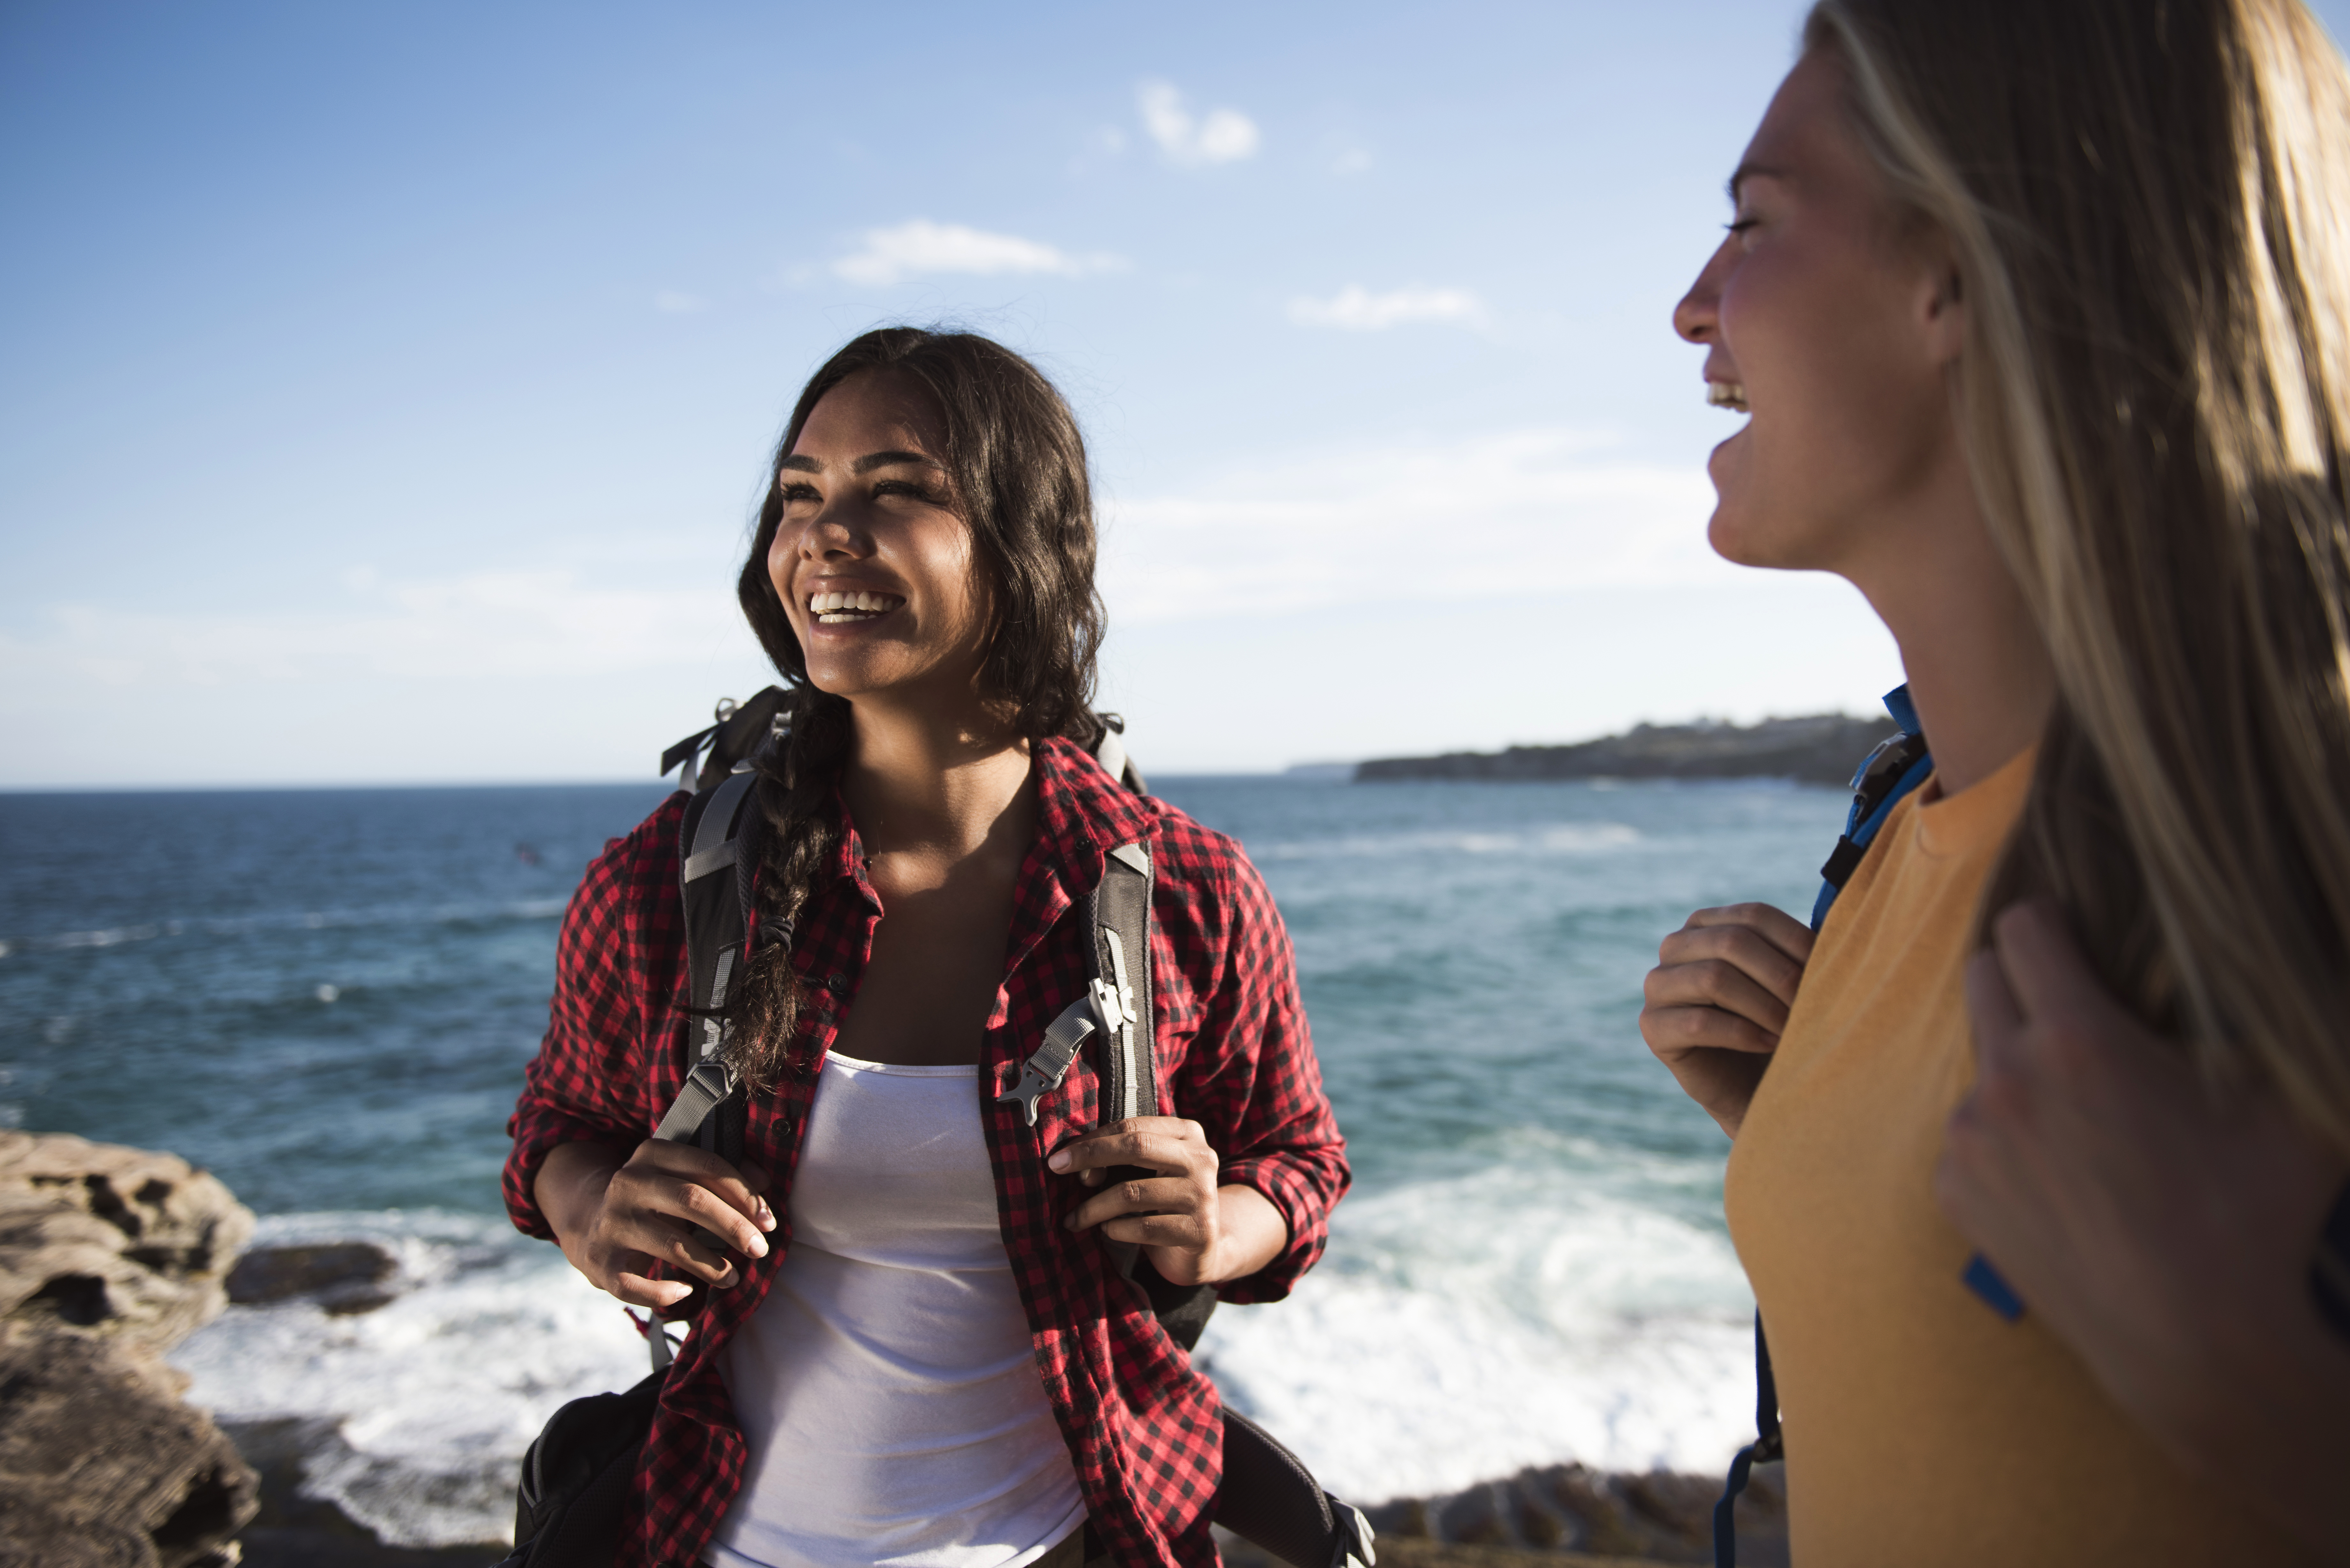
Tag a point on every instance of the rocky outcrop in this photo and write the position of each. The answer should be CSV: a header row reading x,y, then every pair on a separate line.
x,y
110,1242
109,1257
1823,749
345,1277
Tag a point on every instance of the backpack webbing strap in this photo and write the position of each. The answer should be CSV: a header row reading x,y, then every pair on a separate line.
x,y
1898,764
1117,1002
709,1110
1064,1038
1768,1445
1121,963
1120,959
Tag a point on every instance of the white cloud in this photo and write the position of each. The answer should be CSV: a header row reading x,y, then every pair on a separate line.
x,y
478,625
677,302
919,246
1356,309
483,675
1524,513
1222,136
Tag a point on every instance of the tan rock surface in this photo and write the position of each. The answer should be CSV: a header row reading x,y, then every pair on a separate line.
x,y
100,1239
109,1257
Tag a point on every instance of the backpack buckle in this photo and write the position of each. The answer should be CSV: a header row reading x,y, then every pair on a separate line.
x,y
1045,1069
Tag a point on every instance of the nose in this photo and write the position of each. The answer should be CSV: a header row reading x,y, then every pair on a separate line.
x,y
835,533
1698,317
832,534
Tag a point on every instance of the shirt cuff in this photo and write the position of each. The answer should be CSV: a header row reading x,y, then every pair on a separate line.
x,y
536,1130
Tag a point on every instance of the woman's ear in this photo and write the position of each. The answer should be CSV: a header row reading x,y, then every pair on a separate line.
x,y
1942,307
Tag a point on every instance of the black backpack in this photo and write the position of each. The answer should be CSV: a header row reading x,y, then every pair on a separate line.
x,y
575,1477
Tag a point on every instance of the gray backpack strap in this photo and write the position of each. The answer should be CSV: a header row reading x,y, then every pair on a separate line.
x,y
715,907
1128,1056
1116,1006
713,881
1122,970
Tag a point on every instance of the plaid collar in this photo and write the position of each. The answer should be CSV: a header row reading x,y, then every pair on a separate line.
x,y
1082,814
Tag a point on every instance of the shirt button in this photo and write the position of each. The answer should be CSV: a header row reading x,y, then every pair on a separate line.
x,y
836,984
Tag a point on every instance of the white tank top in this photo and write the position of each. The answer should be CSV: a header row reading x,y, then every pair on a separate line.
x,y
887,1384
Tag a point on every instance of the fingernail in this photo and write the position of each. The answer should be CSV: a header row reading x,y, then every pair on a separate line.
x,y
766,1216
1060,1160
759,1246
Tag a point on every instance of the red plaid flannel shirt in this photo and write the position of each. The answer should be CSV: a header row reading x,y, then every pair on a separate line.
x,y
1234,1055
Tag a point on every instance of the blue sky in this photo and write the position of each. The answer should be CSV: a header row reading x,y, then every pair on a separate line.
x,y
388,387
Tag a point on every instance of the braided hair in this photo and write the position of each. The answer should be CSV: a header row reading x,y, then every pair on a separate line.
x,y
1018,467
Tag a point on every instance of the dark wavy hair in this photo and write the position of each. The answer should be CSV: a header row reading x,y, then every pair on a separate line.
x,y
1016,464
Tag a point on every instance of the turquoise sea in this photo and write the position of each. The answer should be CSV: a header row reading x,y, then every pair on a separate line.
x,y
327,997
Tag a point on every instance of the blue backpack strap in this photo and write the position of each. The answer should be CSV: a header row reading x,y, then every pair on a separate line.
x,y
1898,766
1767,1446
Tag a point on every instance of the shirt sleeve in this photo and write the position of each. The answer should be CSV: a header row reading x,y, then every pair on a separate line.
x,y
1251,1079
591,1081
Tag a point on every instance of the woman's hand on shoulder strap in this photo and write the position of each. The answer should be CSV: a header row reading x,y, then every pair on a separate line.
x,y
1195,1231
1718,999
614,1217
2162,1229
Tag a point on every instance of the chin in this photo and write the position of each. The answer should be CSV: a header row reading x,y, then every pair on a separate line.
x,y
1744,539
1732,541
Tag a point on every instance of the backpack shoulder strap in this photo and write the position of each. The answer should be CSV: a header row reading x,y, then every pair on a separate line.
x,y
1900,763
710,842
715,865
741,730
1120,961
713,877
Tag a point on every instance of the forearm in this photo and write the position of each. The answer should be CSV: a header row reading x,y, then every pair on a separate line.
x,y
1253,1234
570,1187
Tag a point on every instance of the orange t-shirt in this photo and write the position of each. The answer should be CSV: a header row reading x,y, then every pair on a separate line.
x,y
1921,1429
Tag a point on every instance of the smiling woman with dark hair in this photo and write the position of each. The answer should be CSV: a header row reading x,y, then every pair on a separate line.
x,y
934,1359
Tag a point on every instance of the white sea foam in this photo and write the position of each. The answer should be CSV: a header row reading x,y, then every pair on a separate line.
x,y
1563,838
1459,1329
432,1399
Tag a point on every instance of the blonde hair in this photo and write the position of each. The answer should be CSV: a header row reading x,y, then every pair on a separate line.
x,y
2148,202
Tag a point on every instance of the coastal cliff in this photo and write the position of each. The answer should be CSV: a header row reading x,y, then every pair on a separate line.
x,y
1822,749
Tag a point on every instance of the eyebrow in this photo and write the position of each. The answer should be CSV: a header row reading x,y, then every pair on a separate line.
x,y
1746,171
799,464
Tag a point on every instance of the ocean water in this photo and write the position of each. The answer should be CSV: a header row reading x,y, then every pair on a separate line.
x,y
327,997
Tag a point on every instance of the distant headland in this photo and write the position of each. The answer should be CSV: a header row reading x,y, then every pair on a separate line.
x,y
1820,748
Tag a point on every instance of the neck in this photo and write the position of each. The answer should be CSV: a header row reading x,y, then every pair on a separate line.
x,y
1978,669
926,782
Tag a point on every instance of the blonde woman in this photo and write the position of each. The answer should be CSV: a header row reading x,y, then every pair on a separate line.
x,y
2040,313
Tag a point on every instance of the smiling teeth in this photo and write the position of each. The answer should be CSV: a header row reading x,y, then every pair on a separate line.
x,y
1727,395
835,610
